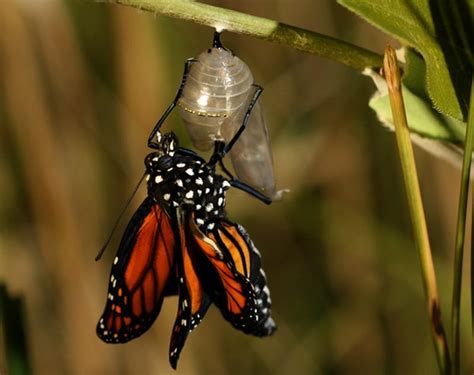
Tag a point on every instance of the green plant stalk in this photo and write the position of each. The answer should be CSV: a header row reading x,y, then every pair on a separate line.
x,y
263,28
407,158
460,235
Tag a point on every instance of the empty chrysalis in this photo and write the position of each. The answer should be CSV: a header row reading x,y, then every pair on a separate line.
x,y
219,102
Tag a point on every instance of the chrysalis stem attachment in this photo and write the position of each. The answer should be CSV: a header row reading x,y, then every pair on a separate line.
x,y
109,238
217,39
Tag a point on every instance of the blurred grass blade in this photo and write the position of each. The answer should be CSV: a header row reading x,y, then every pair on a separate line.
x,y
461,234
12,330
407,159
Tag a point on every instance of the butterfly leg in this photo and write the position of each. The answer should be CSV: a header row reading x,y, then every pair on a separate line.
x,y
216,158
187,67
225,170
188,152
250,190
253,101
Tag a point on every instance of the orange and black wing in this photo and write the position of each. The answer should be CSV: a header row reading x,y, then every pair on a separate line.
x,y
193,300
141,275
234,277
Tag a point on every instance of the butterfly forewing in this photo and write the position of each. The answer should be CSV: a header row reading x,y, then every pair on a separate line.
x,y
143,267
193,300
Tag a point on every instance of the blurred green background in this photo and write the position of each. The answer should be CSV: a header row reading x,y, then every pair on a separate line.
x,y
81,85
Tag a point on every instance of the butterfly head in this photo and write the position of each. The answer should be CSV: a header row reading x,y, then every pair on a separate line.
x,y
167,143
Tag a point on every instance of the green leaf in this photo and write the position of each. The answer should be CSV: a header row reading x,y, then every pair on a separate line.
x,y
441,31
414,76
422,120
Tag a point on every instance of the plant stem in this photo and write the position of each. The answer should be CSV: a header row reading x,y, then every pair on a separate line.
x,y
405,149
460,235
263,28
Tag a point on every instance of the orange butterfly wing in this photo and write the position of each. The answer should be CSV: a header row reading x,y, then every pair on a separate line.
x,y
141,271
239,285
193,300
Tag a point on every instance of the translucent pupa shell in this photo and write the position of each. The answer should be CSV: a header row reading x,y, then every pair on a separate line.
x,y
214,101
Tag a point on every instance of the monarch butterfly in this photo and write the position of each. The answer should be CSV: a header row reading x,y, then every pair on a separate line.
x,y
218,100
180,241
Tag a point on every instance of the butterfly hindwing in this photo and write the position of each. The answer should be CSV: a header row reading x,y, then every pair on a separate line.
x,y
255,318
140,275
239,287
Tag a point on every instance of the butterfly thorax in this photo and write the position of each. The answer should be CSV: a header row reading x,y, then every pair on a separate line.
x,y
184,181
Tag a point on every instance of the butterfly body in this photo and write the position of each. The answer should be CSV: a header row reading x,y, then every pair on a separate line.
x,y
188,183
180,241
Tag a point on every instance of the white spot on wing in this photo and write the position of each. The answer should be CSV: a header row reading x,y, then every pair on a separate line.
x,y
266,290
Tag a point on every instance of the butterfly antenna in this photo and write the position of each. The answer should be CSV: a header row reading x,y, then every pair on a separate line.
x,y
109,238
